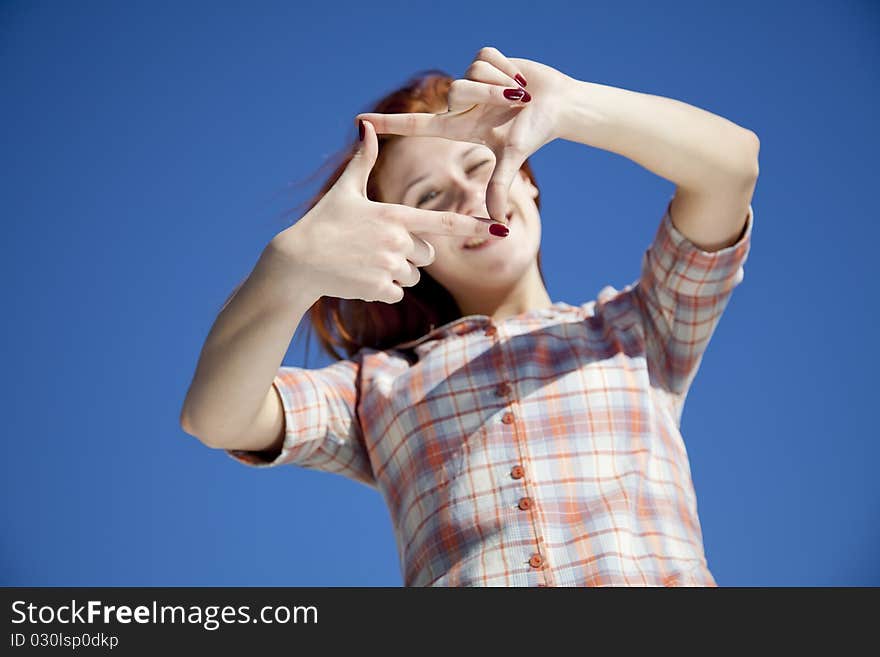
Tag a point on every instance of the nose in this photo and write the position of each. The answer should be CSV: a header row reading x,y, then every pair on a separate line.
x,y
471,197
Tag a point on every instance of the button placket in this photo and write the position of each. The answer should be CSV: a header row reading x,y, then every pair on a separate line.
x,y
517,472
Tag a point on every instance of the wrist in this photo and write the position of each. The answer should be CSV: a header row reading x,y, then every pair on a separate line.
x,y
286,273
580,112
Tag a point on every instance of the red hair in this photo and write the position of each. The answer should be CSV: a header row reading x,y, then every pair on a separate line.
x,y
351,324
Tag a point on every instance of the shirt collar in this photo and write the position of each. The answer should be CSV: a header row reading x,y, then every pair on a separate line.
x,y
467,323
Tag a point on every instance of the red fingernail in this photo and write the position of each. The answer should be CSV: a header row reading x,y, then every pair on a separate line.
x,y
361,129
526,97
520,80
499,230
513,94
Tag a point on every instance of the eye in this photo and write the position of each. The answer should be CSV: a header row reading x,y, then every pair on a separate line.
x,y
427,197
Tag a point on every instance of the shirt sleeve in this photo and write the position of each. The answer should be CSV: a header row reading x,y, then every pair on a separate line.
x,y
321,426
682,292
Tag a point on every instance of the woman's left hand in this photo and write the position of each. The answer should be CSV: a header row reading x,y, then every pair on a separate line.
x,y
479,112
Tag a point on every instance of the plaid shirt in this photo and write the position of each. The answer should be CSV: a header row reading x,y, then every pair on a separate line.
x,y
541,450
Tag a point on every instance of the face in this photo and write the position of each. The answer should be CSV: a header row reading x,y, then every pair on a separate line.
x,y
432,173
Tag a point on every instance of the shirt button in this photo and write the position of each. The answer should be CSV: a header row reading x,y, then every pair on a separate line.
x,y
536,561
491,330
502,389
525,503
507,418
517,472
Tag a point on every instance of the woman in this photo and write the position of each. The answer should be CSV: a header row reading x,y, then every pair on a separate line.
x,y
516,441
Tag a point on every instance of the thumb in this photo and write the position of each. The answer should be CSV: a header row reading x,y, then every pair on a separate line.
x,y
358,170
506,167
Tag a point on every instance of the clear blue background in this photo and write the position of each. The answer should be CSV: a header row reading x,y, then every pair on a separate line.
x,y
146,154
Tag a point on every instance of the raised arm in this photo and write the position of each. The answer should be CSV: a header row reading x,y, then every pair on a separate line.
x,y
231,401
712,161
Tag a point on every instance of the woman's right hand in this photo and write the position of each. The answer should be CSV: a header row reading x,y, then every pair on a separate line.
x,y
350,247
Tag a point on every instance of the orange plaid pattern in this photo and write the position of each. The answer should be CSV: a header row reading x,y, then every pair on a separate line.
x,y
542,450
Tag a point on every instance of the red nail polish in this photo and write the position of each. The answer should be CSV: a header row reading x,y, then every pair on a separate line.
x,y
499,230
513,94
520,80
526,97
361,129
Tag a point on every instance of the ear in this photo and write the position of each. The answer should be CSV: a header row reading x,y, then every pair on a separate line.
x,y
533,191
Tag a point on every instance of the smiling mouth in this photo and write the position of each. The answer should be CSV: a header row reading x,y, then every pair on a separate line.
x,y
473,245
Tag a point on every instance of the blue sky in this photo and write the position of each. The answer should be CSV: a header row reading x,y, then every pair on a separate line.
x,y
147,152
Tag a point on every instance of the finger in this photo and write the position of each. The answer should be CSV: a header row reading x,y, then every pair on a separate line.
x,y
499,61
422,253
433,222
358,170
506,167
412,124
391,293
483,71
466,93
407,275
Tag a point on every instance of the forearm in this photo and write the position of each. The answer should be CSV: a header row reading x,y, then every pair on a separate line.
x,y
243,352
679,142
